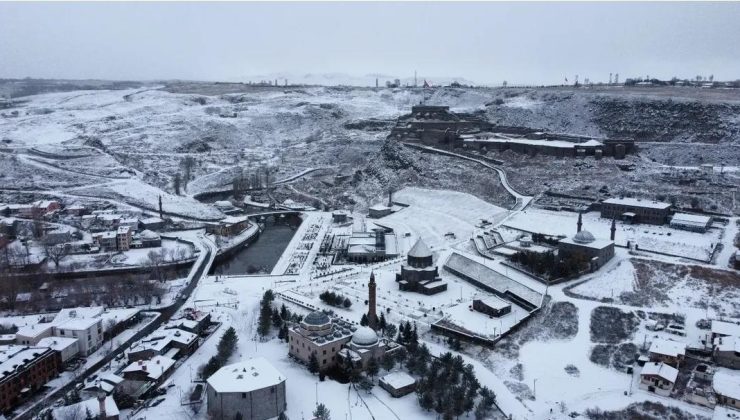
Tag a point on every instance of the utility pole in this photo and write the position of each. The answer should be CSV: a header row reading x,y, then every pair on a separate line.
x,y
414,78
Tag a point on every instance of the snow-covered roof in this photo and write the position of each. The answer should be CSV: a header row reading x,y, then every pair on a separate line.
x,y
316,318
13,358
495,302
234,219
32,331
57,343
246,376
420,249
80,409
661,370
584,242
154,367
668,348
592,143
725,328
380,207
148,234
636,202
726,382
398,380
690,219
162,337
365,336
728,343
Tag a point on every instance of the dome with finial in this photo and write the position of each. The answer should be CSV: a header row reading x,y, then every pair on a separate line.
x,y
583,237
316,318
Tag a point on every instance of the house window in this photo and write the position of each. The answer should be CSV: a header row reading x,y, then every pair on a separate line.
x,y
324,351
244,395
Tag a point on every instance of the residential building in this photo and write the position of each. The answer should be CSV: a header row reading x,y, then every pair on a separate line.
x,y
250,390
102,407
67,348
726,384
229,226
23,371
635,210
88,331
667,351
659,378
171,342
727,351
154,370
123,238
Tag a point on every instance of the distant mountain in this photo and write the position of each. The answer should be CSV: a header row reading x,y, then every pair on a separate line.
x,y
337,79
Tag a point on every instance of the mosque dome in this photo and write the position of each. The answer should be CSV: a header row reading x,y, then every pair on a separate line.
x,y
316,318
584,237
364,336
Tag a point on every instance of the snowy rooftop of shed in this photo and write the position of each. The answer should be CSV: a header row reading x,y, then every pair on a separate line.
x,y
668,348
398,380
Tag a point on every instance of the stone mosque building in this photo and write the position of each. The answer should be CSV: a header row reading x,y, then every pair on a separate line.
x,y
419,274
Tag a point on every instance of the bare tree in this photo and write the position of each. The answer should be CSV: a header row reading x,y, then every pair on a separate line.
x,y
55,252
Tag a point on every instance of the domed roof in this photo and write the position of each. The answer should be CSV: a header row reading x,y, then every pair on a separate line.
x,y
420,250
364,336
316,318
584,237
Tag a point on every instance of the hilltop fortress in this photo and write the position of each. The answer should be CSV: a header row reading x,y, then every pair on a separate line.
x,y
435,125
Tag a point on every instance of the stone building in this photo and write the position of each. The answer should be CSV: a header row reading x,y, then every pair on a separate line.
x,y
597,251
248,390
365,345
492,306
635,210
419,274
319,335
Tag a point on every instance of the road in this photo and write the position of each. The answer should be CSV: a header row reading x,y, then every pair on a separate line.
x,y
200,270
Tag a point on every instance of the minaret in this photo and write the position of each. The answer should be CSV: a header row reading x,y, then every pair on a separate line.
x,y
614,228
372,317
580,221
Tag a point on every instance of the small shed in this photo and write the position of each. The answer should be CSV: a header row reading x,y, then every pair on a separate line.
x,y
398,384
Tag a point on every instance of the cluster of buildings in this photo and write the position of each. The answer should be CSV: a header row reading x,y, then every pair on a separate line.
x,y
437,126
708,385
37,353
635,210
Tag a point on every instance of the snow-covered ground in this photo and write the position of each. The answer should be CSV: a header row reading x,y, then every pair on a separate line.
x,y
648,237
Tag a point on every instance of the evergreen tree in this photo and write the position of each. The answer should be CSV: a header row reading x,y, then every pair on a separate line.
x,y
283,333
347,303
227,344
426,400
363,321
382,323
373,367
88,414
264,322
284,313
277,321
388,361
313,363
401,355
390,331
365,384
321,412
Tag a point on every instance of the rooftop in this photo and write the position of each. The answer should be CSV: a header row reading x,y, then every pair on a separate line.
x,y
155,367
636,202
668,347
691,219
661,370
80,409
725,328
420,249
726,382
246,376
398,380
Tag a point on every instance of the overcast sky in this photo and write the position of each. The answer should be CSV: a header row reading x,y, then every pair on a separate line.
x,y
483,42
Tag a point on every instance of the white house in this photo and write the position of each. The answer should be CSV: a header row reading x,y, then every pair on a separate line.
x,y
667,351
658,378
726,384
